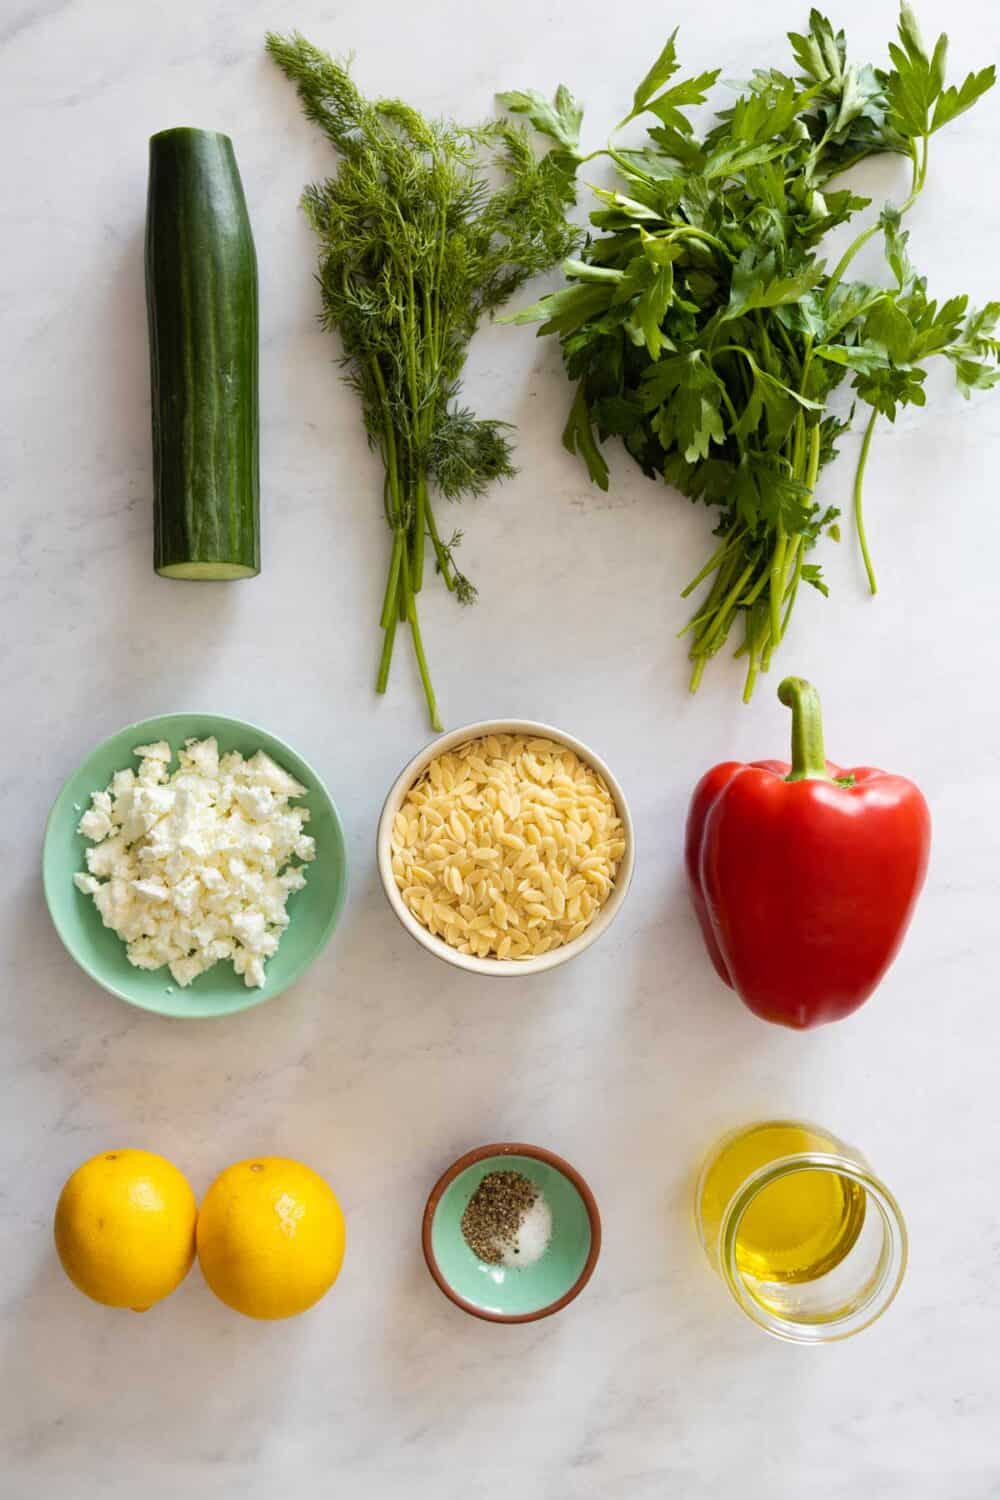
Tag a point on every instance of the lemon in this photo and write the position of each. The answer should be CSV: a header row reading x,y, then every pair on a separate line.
x,y
125,1228
270,1237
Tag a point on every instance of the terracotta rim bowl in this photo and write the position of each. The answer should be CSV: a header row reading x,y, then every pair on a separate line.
x,y
548,1159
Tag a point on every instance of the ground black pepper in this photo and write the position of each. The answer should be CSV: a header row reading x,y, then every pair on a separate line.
x,y
495,1213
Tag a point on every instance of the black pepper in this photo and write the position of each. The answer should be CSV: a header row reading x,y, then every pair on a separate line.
x,y
495,1213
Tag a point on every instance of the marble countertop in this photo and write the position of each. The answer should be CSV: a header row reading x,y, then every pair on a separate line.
x,y
382,1065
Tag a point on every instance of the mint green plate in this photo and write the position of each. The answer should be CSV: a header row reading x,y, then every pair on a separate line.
x,y
101,954
522,1294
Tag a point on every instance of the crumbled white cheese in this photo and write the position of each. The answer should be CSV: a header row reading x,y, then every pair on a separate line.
x,y
160,751
192,868
95,824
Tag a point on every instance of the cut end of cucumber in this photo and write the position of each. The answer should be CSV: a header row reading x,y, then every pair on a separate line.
x,y
216,572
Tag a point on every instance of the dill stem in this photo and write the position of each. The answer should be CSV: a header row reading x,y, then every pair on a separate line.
x,y
391,460
409,604
444,566
392,582
386,658
419,529
431,341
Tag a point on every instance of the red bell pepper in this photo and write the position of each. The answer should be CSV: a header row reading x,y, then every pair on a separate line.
x,y
804,876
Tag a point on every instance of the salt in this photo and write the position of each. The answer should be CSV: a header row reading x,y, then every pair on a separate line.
x,y
532,1238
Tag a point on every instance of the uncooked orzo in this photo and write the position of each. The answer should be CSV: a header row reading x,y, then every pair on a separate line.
x,y
507,846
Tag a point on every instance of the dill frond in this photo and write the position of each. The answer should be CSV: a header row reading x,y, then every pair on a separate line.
x,y
416,245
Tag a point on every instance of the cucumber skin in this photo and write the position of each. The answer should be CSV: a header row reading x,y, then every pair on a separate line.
x,y
201,298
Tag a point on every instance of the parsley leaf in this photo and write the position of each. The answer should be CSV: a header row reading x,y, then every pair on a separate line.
x,y
756,282
559,120
704,330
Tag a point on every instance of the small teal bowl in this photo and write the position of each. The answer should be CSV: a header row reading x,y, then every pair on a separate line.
x,y
101,954
525,1293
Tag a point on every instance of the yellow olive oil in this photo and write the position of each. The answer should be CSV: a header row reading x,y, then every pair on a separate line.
x,y
799,1226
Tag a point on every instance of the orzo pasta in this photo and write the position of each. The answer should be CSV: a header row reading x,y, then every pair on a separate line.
x,y
507,846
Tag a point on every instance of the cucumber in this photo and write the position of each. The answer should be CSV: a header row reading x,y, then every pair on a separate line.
x,y
201,296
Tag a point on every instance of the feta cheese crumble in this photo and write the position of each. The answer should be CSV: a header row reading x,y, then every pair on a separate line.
x,y
193,868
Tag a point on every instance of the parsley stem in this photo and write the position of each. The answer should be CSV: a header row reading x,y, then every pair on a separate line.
x,y
783,334
717,632
777,578
793,589
812,466
755,634
709,605
849,254
859,518
806,471
798,445
704,615
756,591
713,562
771,638
691,232
731,409
918,155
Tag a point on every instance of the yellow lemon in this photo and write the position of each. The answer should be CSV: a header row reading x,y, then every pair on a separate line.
x,y
270,1237
124,1227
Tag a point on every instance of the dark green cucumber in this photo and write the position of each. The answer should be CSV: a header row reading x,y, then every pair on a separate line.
x,y
201,295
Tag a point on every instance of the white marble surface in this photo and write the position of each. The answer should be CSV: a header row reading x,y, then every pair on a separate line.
x,y
381,1066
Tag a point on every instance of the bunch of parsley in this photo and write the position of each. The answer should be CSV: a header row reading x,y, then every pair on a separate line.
x,y
703,329
426,227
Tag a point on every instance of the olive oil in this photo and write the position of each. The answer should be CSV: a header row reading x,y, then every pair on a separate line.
x,y
798,1227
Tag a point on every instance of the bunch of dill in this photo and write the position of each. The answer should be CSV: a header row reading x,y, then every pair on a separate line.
x,y
417,243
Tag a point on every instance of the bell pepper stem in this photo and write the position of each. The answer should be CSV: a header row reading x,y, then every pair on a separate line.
x,y
808,755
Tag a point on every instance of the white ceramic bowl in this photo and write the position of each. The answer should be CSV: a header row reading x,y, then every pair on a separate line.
x,y
501,968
